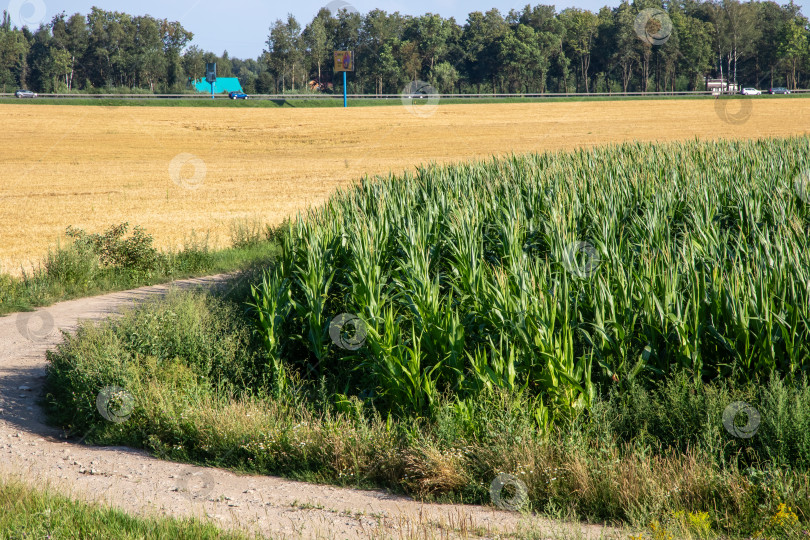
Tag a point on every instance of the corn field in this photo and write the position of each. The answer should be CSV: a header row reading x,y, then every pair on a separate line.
x,y
552,274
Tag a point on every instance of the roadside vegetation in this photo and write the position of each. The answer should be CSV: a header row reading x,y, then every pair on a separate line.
x,y
29,513
337,101
123,257
632,46
581,321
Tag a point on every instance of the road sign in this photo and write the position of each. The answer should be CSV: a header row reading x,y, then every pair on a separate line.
x,y
344,61
211,75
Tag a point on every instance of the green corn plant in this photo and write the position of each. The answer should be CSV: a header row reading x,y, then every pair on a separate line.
x,y
493,370
368,278
313,279
705,266
270,307
409,387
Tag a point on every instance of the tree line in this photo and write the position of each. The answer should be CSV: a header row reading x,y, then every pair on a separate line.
x,y
533,50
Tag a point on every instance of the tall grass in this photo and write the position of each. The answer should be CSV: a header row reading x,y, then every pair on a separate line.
x,y
118,259
470,277
29,513
199,388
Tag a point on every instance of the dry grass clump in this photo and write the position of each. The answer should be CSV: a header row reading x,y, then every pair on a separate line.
x,y
430,470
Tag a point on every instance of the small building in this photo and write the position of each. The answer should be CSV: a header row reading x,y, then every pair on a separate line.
x,y
223,84
720,86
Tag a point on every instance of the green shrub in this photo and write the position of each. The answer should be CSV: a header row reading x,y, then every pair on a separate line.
x,y
198,342
75,265
117,250
195,256
246,232
276,233
680,414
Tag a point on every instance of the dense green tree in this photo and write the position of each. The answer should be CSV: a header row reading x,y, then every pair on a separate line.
x,y
521,60
604,65
581,27
533,49
431,33
771,20
379,34
13,56
482,43
695,44
284,45
175,39
626,53
317,43
193,62
147,58
793,45
389,70
444,77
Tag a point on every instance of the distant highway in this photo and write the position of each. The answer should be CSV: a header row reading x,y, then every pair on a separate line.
x,y
279,97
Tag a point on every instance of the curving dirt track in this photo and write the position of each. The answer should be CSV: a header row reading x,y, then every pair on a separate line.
x,y
135,482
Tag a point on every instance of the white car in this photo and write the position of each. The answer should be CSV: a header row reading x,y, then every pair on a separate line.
x,y
751,92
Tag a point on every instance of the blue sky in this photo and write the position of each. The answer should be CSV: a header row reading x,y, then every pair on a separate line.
x,y
241,26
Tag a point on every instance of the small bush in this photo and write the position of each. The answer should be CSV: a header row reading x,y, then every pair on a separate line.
x,y
194,341
678,415
246,232
276,233
114,249
115,260
195,256
74,265
11,291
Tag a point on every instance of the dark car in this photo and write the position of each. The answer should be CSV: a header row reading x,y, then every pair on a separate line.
x,y
422,92
25,94
238,95
779,90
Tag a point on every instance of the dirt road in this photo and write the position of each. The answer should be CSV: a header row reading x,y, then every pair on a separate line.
x,y
135,482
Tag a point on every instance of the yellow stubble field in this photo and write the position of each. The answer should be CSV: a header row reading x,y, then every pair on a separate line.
x,y
178,170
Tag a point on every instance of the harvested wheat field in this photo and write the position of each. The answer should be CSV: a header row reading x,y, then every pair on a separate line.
x,y
178,170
